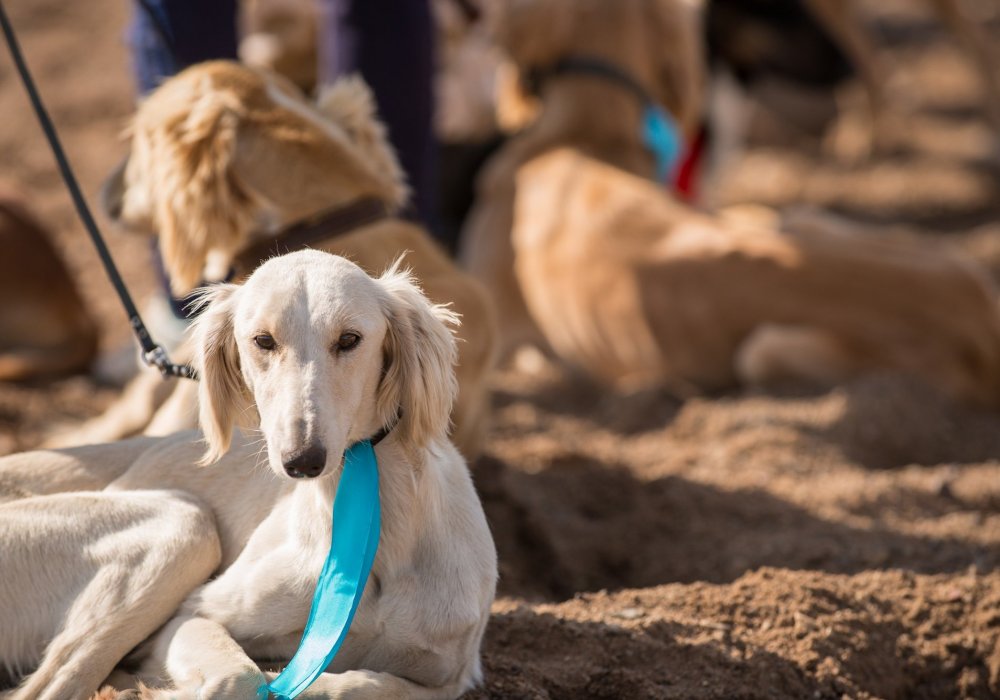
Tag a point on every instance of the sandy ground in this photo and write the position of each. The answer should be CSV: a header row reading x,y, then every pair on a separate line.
x,y
842,544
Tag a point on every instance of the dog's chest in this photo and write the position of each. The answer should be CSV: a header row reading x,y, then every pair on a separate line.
x,y
289,598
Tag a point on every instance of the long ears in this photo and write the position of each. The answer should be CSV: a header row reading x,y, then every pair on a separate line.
x,y
350,103
223,396
676,30
183,147
420,354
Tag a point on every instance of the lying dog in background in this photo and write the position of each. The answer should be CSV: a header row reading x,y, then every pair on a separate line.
x,y
319,356
45,329
636,288
657,41
223,159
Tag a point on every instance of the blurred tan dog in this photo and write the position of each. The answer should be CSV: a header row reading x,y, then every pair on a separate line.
x,y
45,329
282,36
655,41
223,157
637,289
108,545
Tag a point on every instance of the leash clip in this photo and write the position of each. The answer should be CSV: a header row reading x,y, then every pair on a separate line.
x,y
158,358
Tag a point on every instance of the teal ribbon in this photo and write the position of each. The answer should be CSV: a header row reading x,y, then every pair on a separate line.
x,y
356,525
661,136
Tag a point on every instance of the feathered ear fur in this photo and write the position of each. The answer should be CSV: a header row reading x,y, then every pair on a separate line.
x,y
223,396
185,155
349,103
420,357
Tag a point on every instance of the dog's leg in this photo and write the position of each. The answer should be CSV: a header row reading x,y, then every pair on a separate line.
x,y
488,254
87,468
129,415
977,44
841,18
369,685
89,576
178,412
730,112
202,660
776,353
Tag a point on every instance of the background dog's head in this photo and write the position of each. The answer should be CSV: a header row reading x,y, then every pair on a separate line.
x,y
656,41
221,150
321,355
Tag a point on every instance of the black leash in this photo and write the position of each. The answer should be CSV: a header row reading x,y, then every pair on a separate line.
x,y
152,354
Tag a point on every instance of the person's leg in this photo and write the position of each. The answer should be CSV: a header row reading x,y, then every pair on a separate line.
x,y
169,35
391,44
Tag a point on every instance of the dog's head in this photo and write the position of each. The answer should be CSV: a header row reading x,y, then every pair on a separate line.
x,y
656,41
320,356
221,150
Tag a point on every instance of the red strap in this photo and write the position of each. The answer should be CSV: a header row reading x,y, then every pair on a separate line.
x,y
686,179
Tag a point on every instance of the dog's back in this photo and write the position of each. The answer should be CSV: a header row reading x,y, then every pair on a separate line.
x,y
44,327
637,288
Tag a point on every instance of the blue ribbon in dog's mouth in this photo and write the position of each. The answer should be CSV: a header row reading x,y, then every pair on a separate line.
x,y
357,521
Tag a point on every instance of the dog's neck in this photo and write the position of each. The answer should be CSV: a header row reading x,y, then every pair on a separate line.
x,y
274,217
593,115
404,496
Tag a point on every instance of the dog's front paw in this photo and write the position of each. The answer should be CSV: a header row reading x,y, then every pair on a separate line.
x,y
140,693
245,685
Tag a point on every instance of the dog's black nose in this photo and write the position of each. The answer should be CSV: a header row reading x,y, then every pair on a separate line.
x,y
308,463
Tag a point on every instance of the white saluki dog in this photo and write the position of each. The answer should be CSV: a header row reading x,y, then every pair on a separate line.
x,y
93,560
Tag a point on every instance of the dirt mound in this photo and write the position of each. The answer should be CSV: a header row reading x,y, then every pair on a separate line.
x,y
770,634
728,485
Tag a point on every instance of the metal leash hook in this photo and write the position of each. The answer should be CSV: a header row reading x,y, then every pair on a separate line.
x,y
152,354
157,357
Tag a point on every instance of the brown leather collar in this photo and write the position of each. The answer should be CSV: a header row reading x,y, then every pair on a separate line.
x,y
317,228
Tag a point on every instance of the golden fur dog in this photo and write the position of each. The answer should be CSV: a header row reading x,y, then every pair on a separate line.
x,y
657,41
223,156
45,329
636,288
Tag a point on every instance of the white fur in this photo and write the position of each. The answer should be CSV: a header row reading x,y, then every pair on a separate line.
x,y
132,559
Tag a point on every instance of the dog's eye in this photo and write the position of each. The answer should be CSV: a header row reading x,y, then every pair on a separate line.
x,y
347,341
265,341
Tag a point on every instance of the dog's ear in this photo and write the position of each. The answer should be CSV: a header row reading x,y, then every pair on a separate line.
x,y
350,103
184,146
223,396
676,30
419,361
